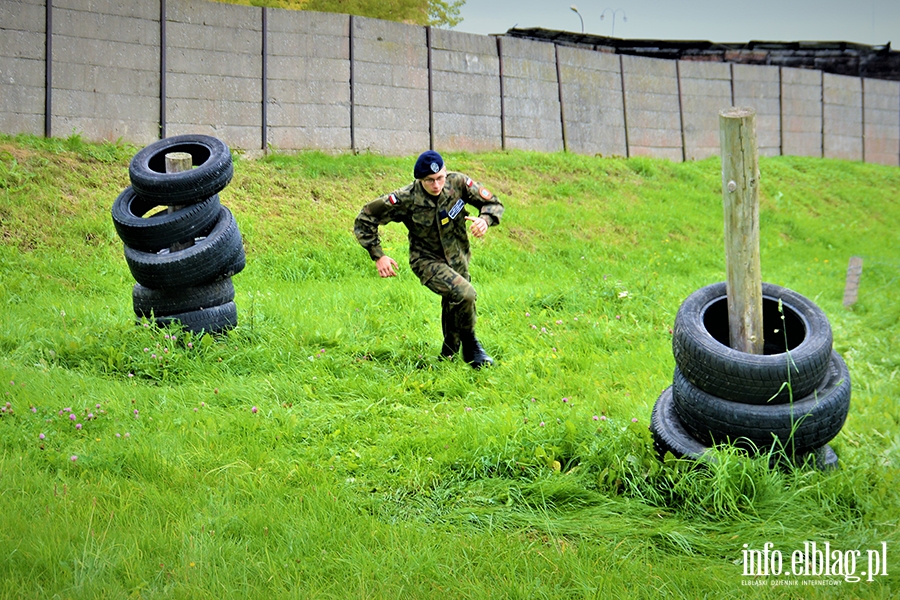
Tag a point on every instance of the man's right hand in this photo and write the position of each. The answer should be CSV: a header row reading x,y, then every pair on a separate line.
x,y
386,266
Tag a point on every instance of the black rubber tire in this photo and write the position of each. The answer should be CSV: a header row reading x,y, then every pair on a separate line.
x,y
220,254
800,343
669,435
825,457
163,229
214,319
807,423
237,264
171,301
213,169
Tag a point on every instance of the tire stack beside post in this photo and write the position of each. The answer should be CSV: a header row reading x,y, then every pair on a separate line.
x,y
183,256
787,403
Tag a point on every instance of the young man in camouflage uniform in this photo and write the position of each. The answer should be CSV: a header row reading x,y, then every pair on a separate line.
x,y
433,208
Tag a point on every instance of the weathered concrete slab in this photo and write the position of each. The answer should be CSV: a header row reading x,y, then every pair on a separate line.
x,y
881,117
842,125
759,87
531,96
653,116
801,112
592,102
308,86
390,87
466,91
705,90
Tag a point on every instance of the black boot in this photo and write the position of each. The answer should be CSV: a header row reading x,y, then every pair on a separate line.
x,y
472,351
451,340
449,348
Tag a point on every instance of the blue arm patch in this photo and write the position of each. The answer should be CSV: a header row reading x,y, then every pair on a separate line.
x,y
457,208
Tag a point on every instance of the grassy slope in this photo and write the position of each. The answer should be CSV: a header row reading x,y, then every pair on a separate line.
x,y
372,470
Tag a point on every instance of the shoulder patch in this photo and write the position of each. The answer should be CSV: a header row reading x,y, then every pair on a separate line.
x,y
469,182
393,199
485,194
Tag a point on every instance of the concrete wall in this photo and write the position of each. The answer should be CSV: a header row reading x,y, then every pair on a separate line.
x,y
592,102
466,91
801,112
106,69
390,87
308,95
881,116
22,71
652,107
842,117
214,71
759,87
705,90
260,78
530,96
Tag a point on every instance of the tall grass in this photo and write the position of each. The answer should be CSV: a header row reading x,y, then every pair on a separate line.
x,y
369,469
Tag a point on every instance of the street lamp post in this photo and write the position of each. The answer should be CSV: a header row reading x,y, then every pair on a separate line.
x,y
614,11
575,10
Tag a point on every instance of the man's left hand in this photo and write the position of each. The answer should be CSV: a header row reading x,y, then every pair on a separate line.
x,y
478,227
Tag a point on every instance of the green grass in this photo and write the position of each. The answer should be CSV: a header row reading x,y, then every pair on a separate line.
x,y
372,470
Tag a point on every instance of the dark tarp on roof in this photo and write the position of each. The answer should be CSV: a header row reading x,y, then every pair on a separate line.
x,y
840,58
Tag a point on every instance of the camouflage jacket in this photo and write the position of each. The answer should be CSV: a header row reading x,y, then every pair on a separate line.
x,y
436,224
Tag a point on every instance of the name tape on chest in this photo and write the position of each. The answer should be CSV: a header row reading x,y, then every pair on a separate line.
x,y
457,208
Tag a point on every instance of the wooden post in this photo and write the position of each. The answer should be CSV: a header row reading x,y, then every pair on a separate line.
x,y
851,288
740,193
177,162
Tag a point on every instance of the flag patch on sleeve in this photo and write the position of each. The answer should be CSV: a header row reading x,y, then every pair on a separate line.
x,y
393,199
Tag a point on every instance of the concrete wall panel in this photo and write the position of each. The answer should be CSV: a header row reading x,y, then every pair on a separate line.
x,y
842,114
390,92
705,91
22,66
466,91
308,88
22,16
652,107
759,87
881,116
801,112
592,102
531,96
106,70
214,71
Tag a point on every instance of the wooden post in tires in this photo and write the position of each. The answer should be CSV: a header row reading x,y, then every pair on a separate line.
x,y
740,193
177,162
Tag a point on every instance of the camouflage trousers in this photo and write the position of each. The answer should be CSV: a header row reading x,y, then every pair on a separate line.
x,y
457,296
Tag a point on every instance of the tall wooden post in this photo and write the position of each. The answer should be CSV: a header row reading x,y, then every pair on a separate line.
x,y
740,193
177,162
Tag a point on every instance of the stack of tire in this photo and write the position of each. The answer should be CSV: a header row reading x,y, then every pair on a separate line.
x,y
182,255
787,403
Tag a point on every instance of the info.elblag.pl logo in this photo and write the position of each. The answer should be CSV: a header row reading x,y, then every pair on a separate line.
x,y
814,560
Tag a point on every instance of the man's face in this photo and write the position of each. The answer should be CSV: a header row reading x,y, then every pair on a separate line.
x,y
434,184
